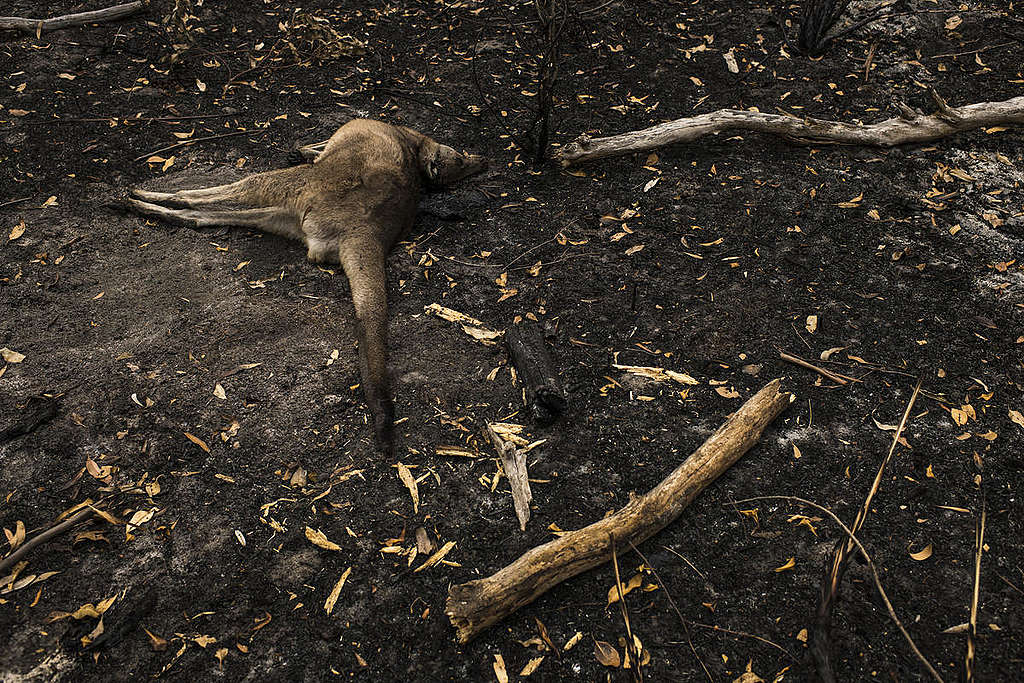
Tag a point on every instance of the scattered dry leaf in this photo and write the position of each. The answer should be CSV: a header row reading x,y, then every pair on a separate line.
x,y
922,554
790,563
530,667
499,669
11,356
17,231
657,374
317,538
613,592
606,654
197,441
336,591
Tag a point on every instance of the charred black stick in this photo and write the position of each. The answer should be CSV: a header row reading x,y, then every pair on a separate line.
x,y
529,353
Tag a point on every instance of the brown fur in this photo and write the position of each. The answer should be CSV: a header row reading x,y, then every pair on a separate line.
x,y
349,207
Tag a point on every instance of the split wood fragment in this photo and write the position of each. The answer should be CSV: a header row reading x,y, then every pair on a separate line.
x,y
513,461
909,127
37,26
477,604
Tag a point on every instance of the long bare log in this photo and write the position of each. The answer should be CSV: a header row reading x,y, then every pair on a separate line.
x,y
909,127
475,605
37,26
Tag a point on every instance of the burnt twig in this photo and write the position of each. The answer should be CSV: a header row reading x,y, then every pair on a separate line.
x,y
529,353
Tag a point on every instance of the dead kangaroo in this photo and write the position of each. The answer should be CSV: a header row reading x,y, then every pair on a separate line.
x,y
349,207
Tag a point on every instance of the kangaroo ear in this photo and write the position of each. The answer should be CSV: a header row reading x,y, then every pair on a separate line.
x,y
433,169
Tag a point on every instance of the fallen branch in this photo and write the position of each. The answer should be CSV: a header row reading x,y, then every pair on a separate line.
x,y
37,26
909,127
475,605
43,537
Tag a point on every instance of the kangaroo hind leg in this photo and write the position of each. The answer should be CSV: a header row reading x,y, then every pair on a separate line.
x,y
260,189
275,220
235,192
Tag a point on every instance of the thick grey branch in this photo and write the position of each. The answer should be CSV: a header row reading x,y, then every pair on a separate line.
x,y
37,26
807,131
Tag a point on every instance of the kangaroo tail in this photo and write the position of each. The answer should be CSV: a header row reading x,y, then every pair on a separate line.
x,y
364,261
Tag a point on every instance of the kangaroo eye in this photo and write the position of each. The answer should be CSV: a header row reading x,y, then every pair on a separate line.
x,y
432,169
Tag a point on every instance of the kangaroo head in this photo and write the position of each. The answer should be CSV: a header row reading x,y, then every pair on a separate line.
x,y
443,165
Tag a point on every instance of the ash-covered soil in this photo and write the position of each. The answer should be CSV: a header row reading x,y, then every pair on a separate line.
x,y
203,383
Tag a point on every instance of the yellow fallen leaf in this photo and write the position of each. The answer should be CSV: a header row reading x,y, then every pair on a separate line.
x,y
18,536
530,667
606,654
197,441
11,356
922,554
613,592
336,591
17,231
657,374
852,203
790,563
317,538
499,669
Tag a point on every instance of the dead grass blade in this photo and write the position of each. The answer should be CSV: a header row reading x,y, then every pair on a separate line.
x,y
972,632
821,641
632,651
671,601
852,540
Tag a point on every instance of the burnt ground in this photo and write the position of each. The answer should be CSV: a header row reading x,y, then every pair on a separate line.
x,y
906,256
